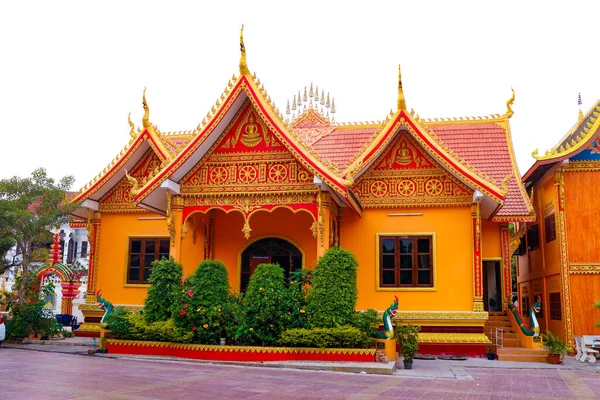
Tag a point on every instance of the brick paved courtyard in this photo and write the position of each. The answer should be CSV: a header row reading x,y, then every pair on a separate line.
x,y
43,375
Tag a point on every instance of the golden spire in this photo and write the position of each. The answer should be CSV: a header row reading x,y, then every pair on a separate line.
x,y
132,130
145,119
401,100
581,116
243,65
509,103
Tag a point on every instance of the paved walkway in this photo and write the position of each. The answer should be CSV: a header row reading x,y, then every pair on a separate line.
x,y
50,375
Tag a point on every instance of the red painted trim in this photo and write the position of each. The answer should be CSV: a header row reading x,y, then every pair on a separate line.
x,y
452,349
234,353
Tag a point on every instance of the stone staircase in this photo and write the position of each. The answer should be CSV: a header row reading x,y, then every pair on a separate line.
x,y
512,349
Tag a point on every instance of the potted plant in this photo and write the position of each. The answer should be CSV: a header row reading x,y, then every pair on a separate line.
x,y
557,347
491,353
408,339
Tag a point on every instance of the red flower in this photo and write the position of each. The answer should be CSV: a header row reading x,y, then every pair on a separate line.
x,y
182,312
190,293
194,328
185,305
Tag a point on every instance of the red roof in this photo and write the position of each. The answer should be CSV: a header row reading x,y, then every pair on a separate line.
x,y
343,144
485,146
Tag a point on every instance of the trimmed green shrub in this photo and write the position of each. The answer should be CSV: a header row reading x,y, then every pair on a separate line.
x,y
264,307
342,337
126,325
367,321
165,284
333,295
118,322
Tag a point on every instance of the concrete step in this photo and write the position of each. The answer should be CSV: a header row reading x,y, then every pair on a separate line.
x,y
522,354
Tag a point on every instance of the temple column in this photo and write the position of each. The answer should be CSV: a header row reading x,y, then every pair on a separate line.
x,y
92,313
175,224
477,262
506,262
561,233
324,218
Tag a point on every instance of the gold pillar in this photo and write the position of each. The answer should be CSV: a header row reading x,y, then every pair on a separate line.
x,y
175,224
561,233
324,216
477,262
506,261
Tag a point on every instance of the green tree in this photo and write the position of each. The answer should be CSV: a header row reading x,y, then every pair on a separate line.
x,y
165,285
210,284
333,295
29,208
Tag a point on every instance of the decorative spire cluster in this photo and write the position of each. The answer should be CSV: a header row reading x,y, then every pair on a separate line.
x,y
311,100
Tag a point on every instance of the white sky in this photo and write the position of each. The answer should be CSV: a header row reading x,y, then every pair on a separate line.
x,y
71,71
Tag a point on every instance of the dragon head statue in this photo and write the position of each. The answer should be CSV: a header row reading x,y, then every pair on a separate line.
x,y
537,306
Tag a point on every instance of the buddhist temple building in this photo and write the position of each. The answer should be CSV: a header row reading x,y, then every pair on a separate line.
x,y
559,253
424,204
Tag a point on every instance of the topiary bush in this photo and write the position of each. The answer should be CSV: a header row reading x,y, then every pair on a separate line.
x,y
367,321
118,322
126,325
165,285
342,337
333,295
264,307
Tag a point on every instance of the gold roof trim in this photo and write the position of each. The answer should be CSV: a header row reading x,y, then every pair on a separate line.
x,y
401,99
562,149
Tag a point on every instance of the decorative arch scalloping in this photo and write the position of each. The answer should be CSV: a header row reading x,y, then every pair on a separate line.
x,y
406,176
120,198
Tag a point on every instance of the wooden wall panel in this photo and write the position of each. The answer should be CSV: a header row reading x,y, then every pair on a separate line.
x,y
583,230
585,290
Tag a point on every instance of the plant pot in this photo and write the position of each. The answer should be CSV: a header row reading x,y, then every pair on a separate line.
x,y
554,358
491,356
408,364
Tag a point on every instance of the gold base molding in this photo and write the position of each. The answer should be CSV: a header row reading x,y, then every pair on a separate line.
x,y
435,337
584,268
442,318
91,327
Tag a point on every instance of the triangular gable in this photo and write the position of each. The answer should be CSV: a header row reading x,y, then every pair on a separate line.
x,y
246,158
126,160
406,176
120,197
235,95
434,147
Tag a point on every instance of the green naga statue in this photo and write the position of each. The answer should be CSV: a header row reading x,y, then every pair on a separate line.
x,y
535,327
105,305
388,314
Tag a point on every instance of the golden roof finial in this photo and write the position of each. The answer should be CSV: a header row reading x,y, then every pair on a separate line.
x,y
509,103
579,102
243,66
132,130
145,119
401,100
287,108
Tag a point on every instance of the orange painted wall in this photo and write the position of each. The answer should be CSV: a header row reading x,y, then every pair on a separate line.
x,y
453,254
192,254
115,231
583,214
585,291
491,246
229,240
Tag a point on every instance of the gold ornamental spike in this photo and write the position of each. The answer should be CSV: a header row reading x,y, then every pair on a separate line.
x,y
145,119
243,66
311,93
332,105
327,103
287,108
305,98
401,99
573,143
132,126
294,103
322,97
509,112
316,93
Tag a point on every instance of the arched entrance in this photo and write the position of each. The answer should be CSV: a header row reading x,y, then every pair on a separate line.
x,y
269,250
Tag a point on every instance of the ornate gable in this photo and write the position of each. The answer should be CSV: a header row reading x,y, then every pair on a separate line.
x,y
120,198
406,176
247,159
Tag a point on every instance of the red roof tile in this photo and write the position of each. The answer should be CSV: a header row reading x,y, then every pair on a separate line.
x,y
342,145
485,146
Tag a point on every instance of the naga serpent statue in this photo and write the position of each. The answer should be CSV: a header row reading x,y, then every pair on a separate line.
x,y
388,314
105,305
535,327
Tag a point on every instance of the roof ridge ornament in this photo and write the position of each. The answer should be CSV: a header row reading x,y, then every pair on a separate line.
x,y
579,103
243,66
145,119
132,130
509,112
401,99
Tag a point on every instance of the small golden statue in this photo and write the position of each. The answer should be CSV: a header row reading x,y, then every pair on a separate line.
x,y
251,136
403,155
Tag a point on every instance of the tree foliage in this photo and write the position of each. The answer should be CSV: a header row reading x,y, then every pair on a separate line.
x,y
29,207
333,295
165,285
210,284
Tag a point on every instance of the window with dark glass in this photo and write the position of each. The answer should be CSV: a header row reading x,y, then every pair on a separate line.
x,y
533,237
142,253
555,309
405,261
550,228
84,249
524,305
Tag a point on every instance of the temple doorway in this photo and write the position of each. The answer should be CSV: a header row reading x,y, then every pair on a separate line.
x,y
269,251
492,286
